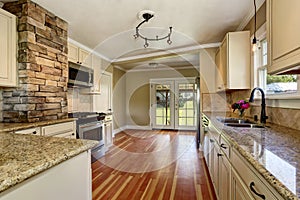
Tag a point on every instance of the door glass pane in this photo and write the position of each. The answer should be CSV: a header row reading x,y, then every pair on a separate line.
x,y
186,109
163,112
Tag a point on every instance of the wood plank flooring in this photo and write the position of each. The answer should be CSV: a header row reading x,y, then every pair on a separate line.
x,y
150,165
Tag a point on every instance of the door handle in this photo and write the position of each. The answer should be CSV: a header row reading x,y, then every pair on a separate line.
x,y
255,192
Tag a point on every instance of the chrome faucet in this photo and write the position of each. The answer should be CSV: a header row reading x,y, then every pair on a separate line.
x,y
263,116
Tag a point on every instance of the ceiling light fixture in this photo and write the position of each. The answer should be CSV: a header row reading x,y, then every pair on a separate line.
x,y
147,15
254,41
153,64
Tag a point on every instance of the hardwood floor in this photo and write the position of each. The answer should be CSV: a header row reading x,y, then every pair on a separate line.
x,y
152,165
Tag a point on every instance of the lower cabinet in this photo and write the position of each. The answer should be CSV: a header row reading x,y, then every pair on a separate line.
x,y
66,130
108,138
224,176
232,176
69,180
239,190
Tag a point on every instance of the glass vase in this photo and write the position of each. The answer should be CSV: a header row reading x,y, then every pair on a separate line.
x,y
241,113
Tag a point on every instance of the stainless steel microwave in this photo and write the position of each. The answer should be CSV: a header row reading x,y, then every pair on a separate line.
x,y
80,76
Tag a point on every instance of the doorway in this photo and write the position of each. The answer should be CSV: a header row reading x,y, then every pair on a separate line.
x,y
173,104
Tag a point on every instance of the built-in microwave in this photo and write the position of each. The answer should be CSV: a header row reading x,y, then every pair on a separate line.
x,y
80,76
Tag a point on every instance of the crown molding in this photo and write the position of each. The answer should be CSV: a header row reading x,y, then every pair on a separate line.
x,y
250,14
162,69
166,53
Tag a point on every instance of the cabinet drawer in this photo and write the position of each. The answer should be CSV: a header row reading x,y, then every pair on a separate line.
x,y
225,147
214,133
71,135
251,180
57,129
33,131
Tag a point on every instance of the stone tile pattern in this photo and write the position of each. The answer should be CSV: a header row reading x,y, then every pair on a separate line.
x,y
21,156
282,142
42,66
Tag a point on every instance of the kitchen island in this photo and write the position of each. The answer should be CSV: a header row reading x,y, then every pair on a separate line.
x,y
272,154
37,167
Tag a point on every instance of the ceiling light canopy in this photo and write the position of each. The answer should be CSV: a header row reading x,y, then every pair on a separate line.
x,y
147,15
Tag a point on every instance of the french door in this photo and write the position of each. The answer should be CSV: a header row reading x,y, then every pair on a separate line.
x,y
173,104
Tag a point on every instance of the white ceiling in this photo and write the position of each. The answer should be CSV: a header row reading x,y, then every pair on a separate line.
x,y
108,26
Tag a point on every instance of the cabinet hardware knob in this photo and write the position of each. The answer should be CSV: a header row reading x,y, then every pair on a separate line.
x,y
34,132
211,140
223,146
73,133
255,192
219,154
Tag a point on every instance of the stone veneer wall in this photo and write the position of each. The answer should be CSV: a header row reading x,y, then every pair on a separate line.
x,y
42,66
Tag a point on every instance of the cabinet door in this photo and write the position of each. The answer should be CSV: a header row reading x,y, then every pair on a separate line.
x,y
224,177
59,129
97,73
239,190
108,134
73,53
223,62
32,131
102,102
284,31
8,46
219,81
85,58
215,170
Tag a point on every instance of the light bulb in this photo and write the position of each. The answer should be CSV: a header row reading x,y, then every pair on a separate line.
x,y
254,47
254,44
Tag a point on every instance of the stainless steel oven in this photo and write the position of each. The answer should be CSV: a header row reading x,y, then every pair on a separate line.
x,y
93,131
90,126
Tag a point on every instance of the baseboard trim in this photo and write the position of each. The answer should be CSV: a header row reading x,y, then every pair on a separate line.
x,y
138,127
119,130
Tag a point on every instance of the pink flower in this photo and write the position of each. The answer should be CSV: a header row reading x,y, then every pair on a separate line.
x,y
241,102
245,106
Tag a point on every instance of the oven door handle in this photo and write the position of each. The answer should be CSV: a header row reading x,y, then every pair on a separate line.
x,y
90,127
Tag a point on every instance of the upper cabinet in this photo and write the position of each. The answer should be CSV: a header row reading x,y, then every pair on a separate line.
x,y
79,56
8,48
283,34
233,62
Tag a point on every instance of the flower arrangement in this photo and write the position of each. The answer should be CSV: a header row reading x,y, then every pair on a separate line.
x,y
240,105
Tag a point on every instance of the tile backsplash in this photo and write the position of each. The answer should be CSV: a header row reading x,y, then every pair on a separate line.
x,y
282,116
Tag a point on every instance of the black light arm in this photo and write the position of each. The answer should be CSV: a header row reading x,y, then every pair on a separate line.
x,y
147,17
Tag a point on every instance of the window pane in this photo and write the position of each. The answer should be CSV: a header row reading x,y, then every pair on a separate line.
x,y
277,84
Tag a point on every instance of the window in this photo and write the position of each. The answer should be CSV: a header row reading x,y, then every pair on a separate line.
x,y
273,84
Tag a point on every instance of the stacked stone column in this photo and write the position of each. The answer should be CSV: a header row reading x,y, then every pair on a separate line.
x,y
42,66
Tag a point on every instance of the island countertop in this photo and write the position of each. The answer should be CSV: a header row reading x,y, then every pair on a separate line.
x,y
23,156
273,151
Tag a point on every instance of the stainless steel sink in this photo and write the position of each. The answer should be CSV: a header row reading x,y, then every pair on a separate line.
x,y
244,125
233,120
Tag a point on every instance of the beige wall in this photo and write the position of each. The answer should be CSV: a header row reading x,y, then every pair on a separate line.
x,y
119,98
138,93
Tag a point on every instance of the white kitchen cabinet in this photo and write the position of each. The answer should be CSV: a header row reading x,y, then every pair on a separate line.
x,y
97,63
67,129
255,184
233,62
79,56
32,131
239,190
232,176
70,180
8,46
103,102
283,34
108,137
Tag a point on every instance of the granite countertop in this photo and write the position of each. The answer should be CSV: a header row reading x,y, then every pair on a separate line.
x,y
273,151
23,156
9,127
